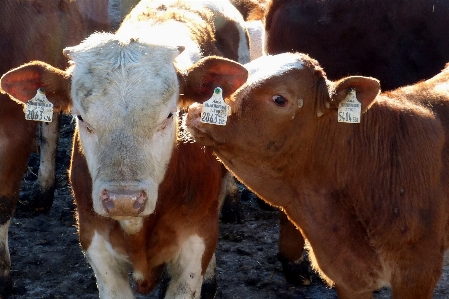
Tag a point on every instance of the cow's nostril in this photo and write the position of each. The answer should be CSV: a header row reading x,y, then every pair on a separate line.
x,y
142,197
137,205
107,202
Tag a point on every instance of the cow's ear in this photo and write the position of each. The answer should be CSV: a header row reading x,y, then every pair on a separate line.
x,y
366,90
23,82
200,80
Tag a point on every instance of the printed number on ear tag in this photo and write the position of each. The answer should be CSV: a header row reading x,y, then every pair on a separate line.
x,y
215,111
350,109
39,108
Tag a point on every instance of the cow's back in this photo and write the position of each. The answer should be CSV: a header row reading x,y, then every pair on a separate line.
x,y
397,42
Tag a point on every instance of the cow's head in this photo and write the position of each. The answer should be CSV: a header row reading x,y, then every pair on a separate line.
x,y
279,106
124,96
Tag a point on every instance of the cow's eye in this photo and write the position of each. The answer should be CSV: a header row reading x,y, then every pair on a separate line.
x,y
279,100
170,115
80,118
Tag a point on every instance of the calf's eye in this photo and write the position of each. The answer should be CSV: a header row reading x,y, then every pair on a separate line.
x,y
79,117
170,115
279,100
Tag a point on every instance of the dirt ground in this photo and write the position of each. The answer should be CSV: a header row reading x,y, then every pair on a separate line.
x,y
47,261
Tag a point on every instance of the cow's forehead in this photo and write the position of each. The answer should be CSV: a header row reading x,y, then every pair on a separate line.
x,y
123,73
269,66
108,46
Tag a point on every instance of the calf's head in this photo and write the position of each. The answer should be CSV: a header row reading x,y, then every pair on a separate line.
x,y
124,96
275,113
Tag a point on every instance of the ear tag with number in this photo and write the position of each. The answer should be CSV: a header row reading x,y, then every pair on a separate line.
x,y
215,111
350,109
39,108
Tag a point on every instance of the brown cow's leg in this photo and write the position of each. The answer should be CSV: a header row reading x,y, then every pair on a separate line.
x,y
232,211
16,139
7,206
291,253
348,294
416,279
48,141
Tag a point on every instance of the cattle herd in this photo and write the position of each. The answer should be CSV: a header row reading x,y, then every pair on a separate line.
x,y
335,112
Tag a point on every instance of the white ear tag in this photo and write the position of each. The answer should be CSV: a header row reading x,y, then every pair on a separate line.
x,y
350,109
215,111
39,108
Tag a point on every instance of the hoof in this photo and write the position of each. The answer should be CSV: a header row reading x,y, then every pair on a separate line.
x,y
209,289
6,286
43,200
34,202
296,273
163,284
232,210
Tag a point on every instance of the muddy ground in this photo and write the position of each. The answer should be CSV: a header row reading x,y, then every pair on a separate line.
x,y
47,261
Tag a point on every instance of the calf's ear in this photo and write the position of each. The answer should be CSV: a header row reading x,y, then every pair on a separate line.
x,y
200,80
366,88
23,82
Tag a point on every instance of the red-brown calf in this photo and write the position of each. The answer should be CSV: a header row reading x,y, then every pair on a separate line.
x,y
364,180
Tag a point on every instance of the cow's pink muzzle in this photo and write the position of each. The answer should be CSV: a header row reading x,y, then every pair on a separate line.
x,y
123,203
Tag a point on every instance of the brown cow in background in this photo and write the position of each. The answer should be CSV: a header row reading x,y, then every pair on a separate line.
x,y
397,42
32,30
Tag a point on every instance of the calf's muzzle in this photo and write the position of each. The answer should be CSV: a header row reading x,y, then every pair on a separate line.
x,y
123,203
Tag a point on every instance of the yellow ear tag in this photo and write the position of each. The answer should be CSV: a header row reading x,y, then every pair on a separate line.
x,y
350,109
39,108
215,111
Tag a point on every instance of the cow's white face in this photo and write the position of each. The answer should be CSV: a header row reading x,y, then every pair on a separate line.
x,y
125,97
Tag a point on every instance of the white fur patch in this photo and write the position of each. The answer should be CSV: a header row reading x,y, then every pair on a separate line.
x,y
110,269
227,9
442,88
271,65
256,38
210,271
163,34
132,226
185,270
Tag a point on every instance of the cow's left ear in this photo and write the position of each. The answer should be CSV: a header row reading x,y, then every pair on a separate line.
x,y
23,82
366,89
200,80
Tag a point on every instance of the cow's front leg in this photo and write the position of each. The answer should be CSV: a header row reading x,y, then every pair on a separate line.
x,y
111,269
48,141
5,262
185,270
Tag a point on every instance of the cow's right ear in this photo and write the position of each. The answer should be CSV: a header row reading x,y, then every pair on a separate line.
x,y
23,82
366,89
198,84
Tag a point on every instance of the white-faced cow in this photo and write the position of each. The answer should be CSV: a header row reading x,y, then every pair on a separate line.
x,y
145,198
363,175
32,30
